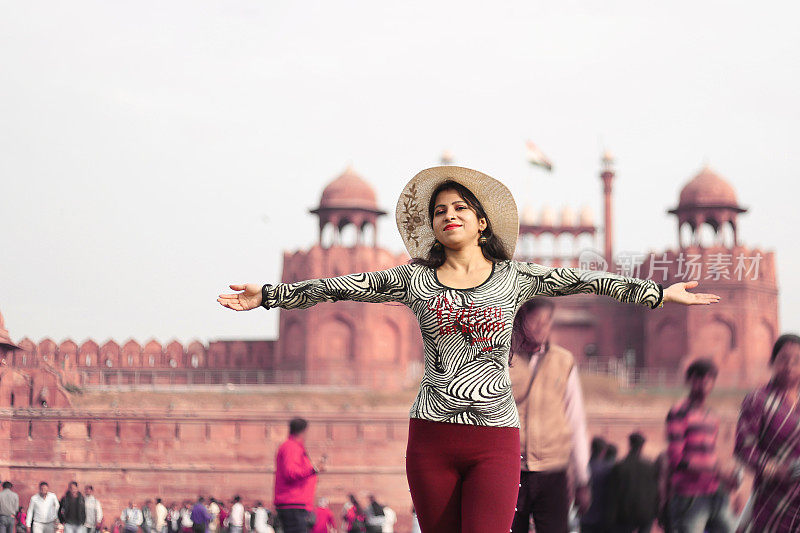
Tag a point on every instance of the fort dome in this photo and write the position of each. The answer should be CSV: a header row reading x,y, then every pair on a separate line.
x,y
349,190
707,189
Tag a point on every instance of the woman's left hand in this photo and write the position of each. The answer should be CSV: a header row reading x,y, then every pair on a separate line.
x,y
249,298
677,293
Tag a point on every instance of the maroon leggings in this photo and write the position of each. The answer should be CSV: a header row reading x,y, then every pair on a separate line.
x,y
463,478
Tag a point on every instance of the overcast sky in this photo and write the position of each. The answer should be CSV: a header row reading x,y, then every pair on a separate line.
x,y
153,152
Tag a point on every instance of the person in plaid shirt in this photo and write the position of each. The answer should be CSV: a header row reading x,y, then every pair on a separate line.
x,y
699,495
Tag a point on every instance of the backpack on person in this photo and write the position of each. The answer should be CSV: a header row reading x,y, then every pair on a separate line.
x,y
356,521
20,524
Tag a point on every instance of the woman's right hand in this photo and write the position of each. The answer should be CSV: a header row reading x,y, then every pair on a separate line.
x,y
249,298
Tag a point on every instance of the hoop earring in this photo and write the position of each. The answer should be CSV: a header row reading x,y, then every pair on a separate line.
x,y
482,240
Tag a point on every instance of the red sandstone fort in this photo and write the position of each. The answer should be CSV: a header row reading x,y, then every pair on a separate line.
x,y
140,421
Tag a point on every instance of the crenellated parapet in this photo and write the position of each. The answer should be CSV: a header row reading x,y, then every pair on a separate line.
x,y
69,356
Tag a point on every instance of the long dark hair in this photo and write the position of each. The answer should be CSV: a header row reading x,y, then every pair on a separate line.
x,y
493,249
376,509
355,503
518,334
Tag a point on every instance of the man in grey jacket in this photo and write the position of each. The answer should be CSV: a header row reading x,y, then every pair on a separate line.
x,y
9,505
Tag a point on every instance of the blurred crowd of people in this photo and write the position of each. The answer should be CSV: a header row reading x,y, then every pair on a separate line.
x,y
82,512
688,487
567,485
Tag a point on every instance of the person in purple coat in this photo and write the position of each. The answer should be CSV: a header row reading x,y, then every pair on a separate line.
x,y
768,442
200,516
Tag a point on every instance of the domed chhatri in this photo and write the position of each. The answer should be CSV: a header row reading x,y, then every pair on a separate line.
x,y
349,190
348,201
709,200
708,189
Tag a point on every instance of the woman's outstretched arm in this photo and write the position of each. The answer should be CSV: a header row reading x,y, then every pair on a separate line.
x,y
539,280
378,287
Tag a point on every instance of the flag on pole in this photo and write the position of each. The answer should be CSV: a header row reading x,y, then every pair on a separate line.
x,y
536,156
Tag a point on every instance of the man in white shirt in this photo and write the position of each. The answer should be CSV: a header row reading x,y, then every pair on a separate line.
x,y
390,520
42,510
213,508
186,516
236,519
161,517
262,519
94,511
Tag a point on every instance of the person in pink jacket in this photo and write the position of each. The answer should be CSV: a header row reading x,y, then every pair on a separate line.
x,y
295,480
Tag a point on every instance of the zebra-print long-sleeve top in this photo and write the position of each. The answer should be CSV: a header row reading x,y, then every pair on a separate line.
x,y
466,332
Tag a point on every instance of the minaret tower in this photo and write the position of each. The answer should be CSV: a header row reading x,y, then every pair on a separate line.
x,y
607,175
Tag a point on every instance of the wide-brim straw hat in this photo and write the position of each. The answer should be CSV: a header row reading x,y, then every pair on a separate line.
x,y
411,213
